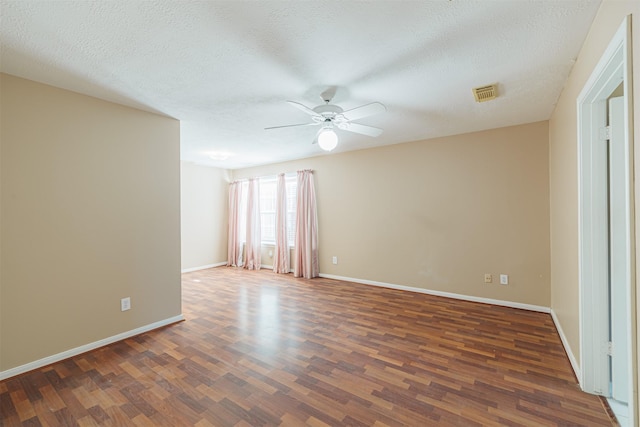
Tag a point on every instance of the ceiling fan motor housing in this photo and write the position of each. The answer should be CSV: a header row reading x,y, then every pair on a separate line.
x,y
328,110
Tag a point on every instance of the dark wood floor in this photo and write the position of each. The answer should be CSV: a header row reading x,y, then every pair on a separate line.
x,y
264,349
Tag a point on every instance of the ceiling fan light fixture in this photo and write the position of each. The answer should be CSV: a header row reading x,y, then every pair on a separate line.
x,y
331,117
327,139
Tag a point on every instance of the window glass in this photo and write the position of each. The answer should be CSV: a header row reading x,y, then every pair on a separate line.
x,y
268,210
268,195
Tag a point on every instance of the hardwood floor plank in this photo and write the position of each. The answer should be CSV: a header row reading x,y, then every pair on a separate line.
x,y
22,405
260,349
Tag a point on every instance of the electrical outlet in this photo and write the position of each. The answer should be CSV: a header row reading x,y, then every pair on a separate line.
x,y
504,279
488,278
335,259
125,304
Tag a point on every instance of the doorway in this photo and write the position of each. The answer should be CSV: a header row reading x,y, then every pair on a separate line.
x,y
607,230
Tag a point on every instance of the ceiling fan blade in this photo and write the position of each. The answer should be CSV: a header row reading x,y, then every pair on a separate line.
x,y
304,108
292,126
358,128
364,111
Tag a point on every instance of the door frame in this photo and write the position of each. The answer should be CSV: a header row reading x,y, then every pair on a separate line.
x,y
613,68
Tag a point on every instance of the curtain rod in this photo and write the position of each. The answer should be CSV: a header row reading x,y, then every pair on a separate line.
x,y
286,174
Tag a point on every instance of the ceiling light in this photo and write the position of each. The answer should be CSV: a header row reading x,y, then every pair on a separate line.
x,y
219,156
327,139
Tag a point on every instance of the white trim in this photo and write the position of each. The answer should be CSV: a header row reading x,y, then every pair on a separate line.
x,y
565,344
204,267
502,303
87,347
613,68
621,411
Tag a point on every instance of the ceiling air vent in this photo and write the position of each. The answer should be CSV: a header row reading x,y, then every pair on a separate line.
x,y
485,93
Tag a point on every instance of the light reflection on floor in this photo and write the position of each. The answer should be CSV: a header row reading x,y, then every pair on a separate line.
x,y
260,319
268,327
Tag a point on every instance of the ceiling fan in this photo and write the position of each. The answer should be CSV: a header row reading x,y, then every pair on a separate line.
x,y
331,116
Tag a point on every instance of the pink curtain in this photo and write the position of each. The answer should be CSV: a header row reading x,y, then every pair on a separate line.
x,y
234,245
306,250
281,256
253,245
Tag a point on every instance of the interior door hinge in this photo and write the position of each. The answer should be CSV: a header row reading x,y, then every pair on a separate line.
x,y
605,133
609,348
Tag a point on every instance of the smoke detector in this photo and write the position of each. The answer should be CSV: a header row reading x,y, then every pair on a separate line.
x,y
485,93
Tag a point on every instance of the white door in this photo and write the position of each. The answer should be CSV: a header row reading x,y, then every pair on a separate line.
x,y
619,253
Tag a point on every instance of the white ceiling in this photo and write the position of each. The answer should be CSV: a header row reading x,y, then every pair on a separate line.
x,y
226,68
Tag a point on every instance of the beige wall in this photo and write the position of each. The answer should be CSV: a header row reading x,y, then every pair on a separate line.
x,y
90,214
438,214
563,163
204,206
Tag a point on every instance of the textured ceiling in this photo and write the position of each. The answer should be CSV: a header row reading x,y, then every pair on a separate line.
x,y
226,68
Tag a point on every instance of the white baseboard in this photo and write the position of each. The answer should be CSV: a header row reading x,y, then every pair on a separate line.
x,y
204,267
85,348
565,344
503,303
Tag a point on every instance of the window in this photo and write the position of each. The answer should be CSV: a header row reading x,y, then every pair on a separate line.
x,y
268,188
268,194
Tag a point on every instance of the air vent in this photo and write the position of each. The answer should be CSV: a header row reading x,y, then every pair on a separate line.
x,y
485,93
